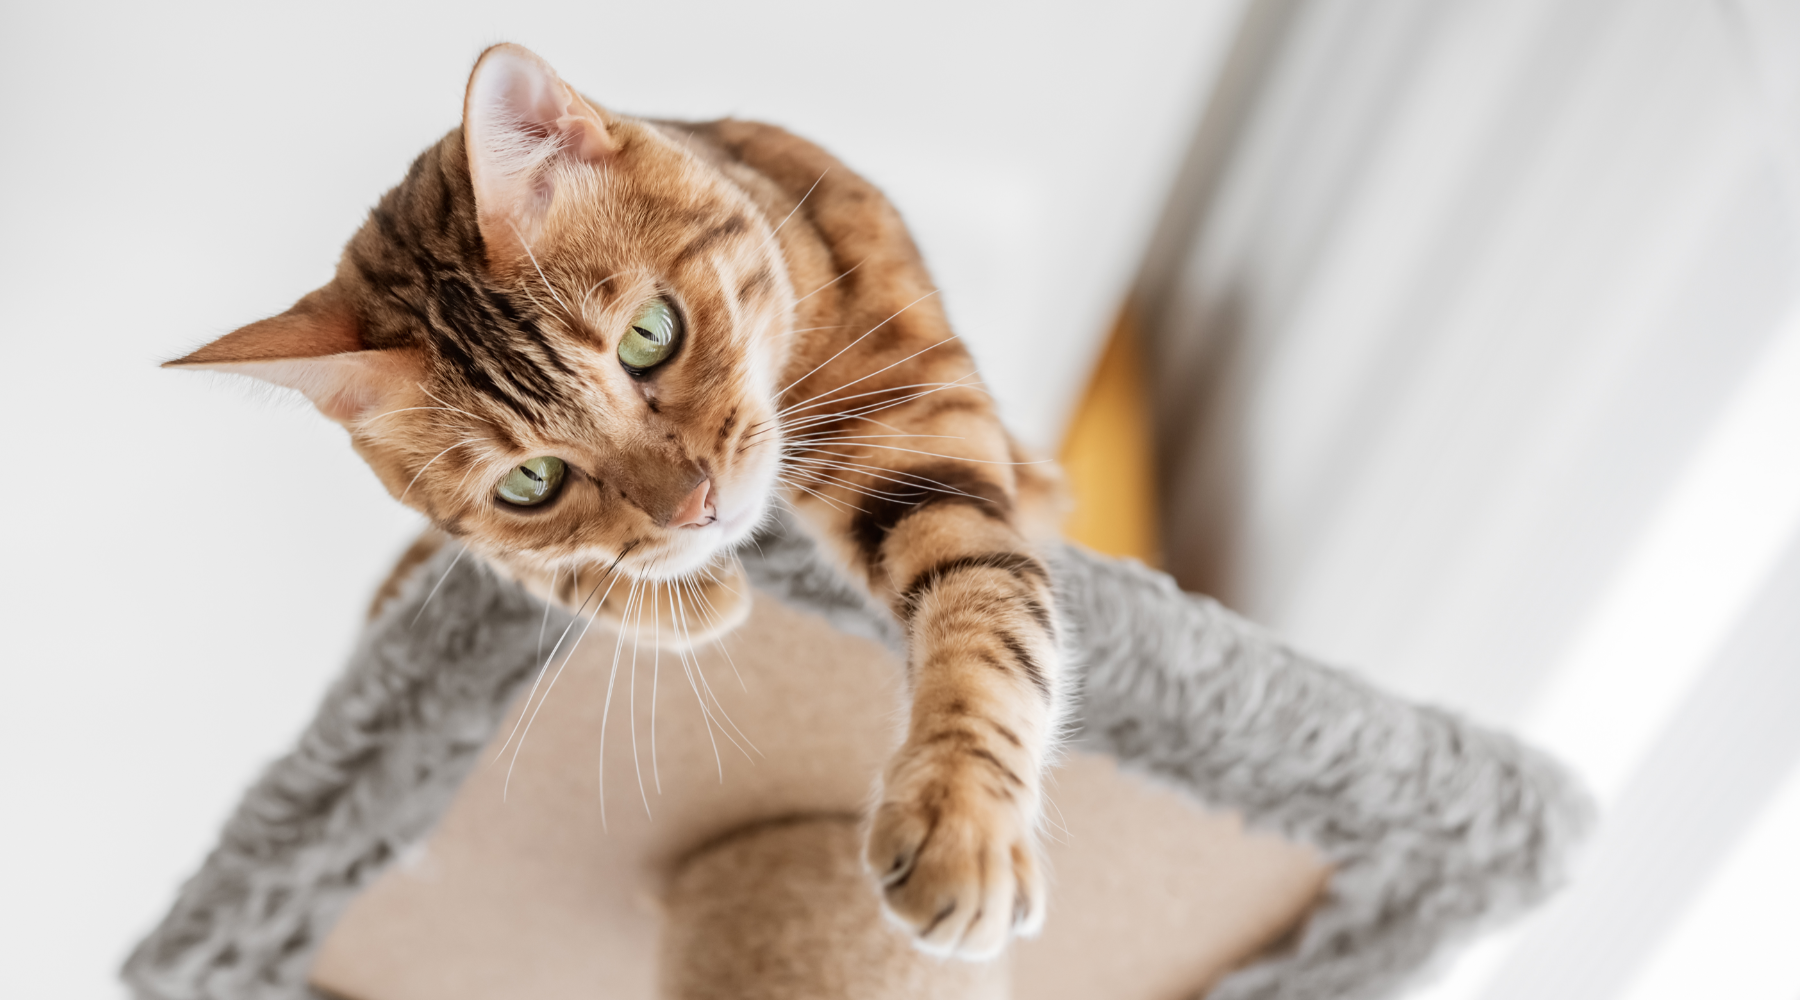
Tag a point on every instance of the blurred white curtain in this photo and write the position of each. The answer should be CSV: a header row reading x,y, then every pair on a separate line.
x,y
1475,331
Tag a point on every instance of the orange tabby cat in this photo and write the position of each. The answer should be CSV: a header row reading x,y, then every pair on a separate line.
x,y
597,349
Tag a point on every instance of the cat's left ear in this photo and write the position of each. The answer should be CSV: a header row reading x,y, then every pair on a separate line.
x,y
315,347
520,123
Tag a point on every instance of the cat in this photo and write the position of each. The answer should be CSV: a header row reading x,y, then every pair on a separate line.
x,y
598,350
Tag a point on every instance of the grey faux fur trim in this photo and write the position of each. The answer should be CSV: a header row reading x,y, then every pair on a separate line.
x,y
1436,827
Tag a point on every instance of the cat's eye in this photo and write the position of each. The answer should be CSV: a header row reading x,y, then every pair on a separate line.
x,y
652,337
533,482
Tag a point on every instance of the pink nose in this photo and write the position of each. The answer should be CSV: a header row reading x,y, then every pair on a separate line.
x,y
697,510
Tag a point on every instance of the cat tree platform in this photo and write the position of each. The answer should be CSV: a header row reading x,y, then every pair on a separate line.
x,y
1231,818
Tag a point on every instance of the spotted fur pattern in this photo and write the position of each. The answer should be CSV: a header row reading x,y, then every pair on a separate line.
x,y
474,323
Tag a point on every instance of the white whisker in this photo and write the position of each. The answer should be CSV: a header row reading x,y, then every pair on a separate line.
x,y
637,635
899,477
427,602
540,271
862,411
815,419
720,706
825,437
589,294
833,504
807,404
689,668
825,480
655,673
796,208
833,281
878,371
875,492
464,481
954,458
506,785
853,343
446,405
545,668
427,465
631,597
409,409
545,622
714,617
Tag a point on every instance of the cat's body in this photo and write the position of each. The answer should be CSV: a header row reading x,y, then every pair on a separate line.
x,y
663,328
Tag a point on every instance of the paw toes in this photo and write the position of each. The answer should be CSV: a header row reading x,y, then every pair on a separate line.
x,y
957,894
956,861
895,841
1028,892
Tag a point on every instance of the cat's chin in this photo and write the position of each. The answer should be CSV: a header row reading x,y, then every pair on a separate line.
x,y
703,606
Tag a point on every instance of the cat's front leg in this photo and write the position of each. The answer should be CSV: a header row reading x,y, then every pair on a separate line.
x,y
954,836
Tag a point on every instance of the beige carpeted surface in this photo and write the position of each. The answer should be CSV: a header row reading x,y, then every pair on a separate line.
x,y
523,892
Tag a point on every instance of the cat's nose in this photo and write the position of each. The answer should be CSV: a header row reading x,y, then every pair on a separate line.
x,y
697,510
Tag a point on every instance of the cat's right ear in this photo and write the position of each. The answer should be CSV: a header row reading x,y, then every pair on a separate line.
x,y
315,347
520,123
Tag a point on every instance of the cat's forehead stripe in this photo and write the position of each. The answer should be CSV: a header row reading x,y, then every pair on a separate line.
x,y
475,334
711,237
425,262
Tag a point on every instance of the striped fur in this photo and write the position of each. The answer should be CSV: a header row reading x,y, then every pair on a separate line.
x,y
473,324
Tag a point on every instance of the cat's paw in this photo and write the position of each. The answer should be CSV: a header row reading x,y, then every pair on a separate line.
x,y
954,846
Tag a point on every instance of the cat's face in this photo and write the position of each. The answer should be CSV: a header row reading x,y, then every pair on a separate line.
x,y
559,337
664,443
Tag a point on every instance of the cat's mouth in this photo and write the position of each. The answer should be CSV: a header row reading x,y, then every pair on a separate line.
x,y
735,527
717,515
701,529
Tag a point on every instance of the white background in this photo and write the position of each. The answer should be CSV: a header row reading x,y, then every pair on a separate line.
x,y
186,559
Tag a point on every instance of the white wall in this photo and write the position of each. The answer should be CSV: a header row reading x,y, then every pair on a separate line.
x,y
1502,298
186,560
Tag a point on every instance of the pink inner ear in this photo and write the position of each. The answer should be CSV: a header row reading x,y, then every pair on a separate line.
x,y
513,91
515,86
518,119
345,387
314,347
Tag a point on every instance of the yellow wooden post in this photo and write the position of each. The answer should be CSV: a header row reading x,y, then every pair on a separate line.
x,y
1108,456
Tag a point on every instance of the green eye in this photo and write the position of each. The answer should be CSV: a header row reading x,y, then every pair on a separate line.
x,y
533,482
651,338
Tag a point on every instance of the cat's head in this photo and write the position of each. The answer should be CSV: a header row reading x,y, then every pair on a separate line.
x,y
559,337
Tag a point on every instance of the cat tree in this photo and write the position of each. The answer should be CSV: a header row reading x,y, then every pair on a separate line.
x,y
389,855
